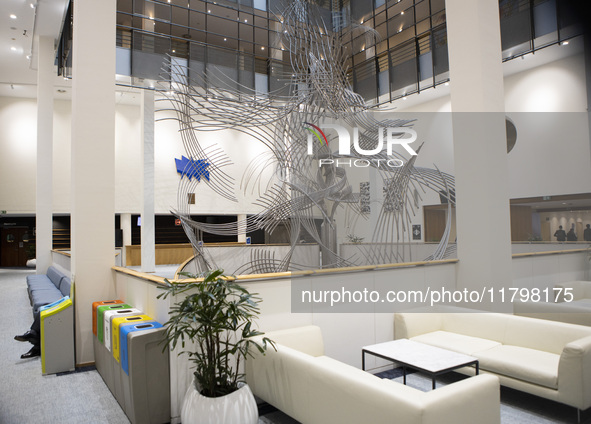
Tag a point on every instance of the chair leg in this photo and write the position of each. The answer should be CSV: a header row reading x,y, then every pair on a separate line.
x,y
578,416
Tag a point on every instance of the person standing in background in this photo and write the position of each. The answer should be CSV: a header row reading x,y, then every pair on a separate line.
x,y
560,234
571,235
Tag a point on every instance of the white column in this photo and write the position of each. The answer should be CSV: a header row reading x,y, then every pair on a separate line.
x,y
480,145
126,227
148,226
93,163
242,234
44,195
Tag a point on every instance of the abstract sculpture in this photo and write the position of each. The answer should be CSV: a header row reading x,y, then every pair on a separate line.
x,y
317,90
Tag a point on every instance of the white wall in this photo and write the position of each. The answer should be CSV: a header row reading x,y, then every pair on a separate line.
x,y
18,161
548,105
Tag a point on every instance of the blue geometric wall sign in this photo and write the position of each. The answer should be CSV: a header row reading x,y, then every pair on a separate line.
x,y
192,168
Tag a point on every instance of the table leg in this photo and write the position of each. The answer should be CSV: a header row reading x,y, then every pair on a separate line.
x,y
404,374
433,382
363,360
477,368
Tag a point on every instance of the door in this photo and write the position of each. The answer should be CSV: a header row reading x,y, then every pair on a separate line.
x,y
13,248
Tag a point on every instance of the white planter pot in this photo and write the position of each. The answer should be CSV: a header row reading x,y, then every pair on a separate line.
x,y
236,408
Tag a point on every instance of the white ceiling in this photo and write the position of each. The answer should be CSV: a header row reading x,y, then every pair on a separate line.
x,y
18,76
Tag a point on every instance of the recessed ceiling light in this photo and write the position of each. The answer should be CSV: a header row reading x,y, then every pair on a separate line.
x,y
173,50
404,98
263,48
13,49
565,43
225,39
447,84
32,6
13,16
402,13
400,30
246,20
209,11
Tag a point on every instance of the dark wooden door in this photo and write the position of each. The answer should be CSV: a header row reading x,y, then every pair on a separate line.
x,y
434,223
13,248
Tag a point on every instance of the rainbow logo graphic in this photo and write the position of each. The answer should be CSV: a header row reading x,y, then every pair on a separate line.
x,y
317,132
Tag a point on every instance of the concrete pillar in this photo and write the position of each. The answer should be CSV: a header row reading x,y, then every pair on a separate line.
x,y
148,225
93,163
480,145
44,191
126,227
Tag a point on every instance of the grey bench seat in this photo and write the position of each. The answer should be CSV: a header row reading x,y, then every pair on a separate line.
x,y
44,289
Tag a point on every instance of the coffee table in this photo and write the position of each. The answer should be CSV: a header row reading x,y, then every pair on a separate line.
x,y
424,358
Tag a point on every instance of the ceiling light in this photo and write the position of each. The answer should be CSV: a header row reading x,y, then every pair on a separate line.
x,y
262,48
12,16
402,13
400,30
173,50
209,11
404,98
13,49
32,6
225,39
565,43
246,20
447,84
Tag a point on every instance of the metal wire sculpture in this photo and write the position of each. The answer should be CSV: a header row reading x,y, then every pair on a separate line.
x,y
316,90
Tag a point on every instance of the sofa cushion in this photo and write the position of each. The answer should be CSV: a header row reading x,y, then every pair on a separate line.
x,y
534,366
38,279
45,297
65,286
306,339
467,345
40,284
54,275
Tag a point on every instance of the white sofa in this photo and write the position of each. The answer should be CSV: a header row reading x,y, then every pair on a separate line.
x,y
312,388
545,358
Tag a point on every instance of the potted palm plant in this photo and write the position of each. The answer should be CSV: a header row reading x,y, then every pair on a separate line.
x,y
215,316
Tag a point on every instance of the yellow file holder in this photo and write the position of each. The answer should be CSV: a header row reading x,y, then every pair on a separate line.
x,y
116,324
